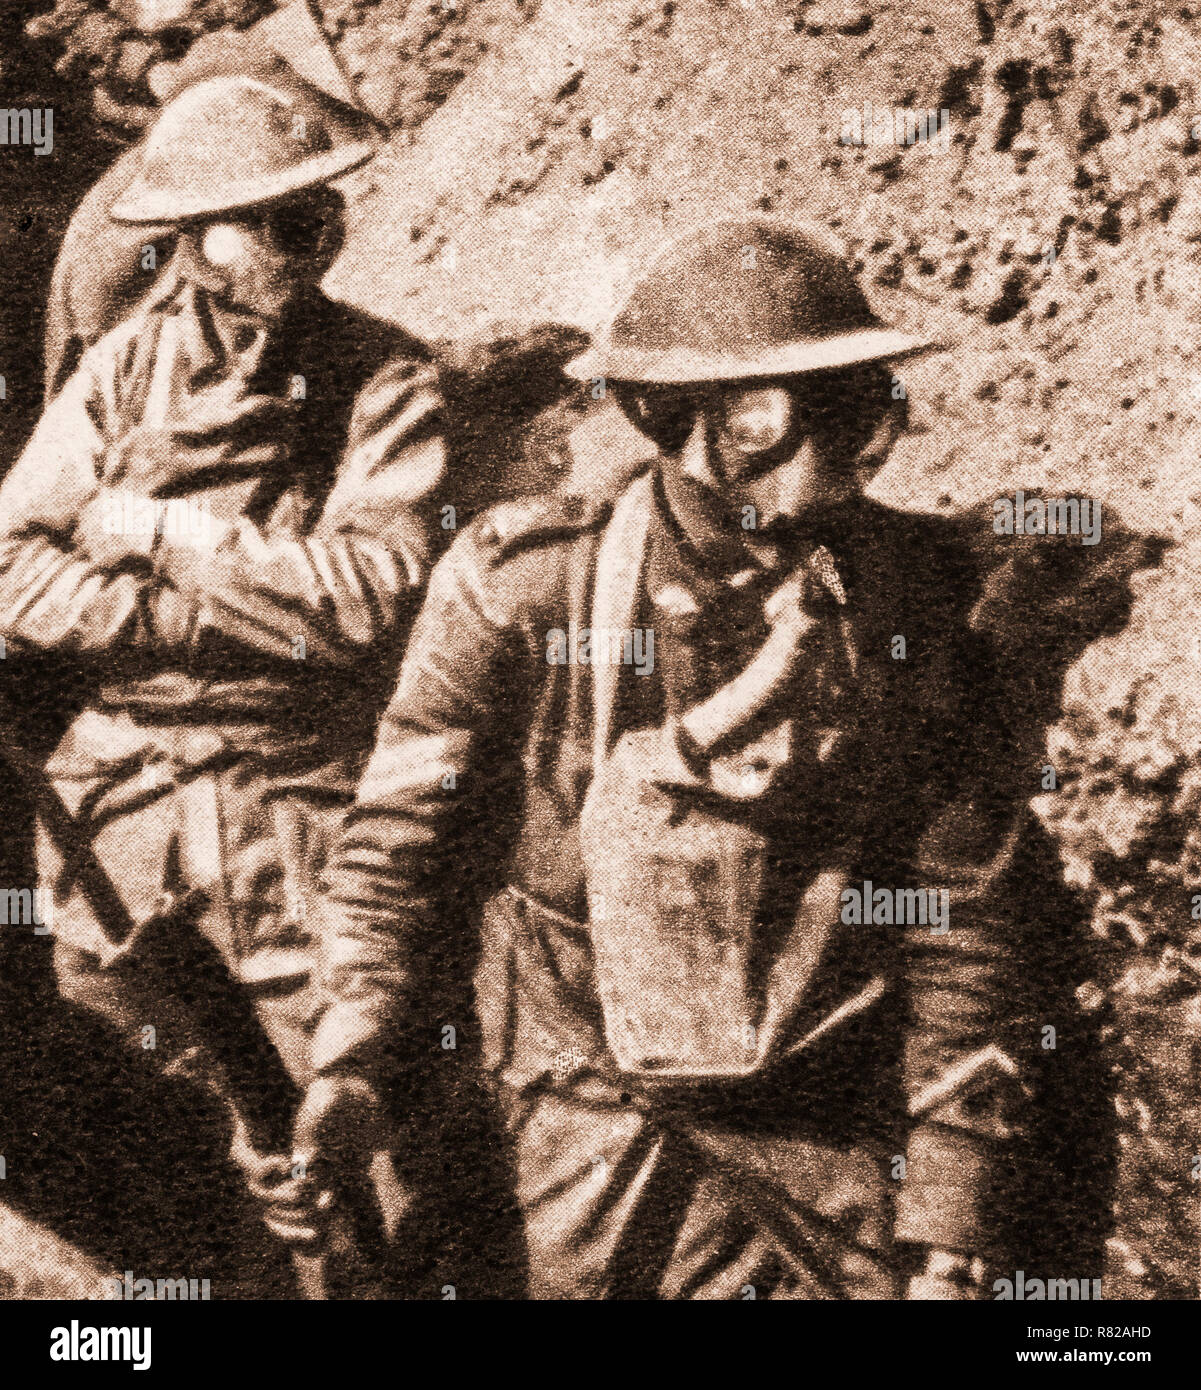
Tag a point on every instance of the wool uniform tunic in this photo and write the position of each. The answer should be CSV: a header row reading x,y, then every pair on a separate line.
x,y
281,479
852,1135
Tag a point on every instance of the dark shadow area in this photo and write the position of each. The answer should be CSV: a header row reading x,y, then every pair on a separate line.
x,y
1061,1203
38,193
127,1167
1043,600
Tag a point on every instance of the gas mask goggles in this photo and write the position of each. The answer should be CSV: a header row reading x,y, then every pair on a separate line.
x,y
760,423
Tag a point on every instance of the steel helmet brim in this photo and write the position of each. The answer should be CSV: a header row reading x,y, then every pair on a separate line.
x,y
141,203
683,366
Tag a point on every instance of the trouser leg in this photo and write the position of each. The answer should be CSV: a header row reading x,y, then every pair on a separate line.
x,y
582,1175
618,1205
809,1223
278,834
174,990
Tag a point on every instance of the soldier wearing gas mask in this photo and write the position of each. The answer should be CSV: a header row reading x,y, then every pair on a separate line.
x,y
704,730
105,267
224,518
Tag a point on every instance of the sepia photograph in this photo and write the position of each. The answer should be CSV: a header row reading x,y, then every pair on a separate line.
x,y
600,664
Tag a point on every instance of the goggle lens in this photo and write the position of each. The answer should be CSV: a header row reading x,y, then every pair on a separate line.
x,y
297,231
755,420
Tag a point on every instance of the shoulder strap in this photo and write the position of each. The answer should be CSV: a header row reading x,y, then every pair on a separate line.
x,y
619,566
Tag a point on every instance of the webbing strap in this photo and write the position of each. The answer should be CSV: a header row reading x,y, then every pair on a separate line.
x,y
615,599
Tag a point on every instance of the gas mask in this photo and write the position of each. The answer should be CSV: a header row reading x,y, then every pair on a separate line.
x,y
755,422
765,459
267,255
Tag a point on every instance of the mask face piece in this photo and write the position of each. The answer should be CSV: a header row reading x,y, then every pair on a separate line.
x,y
224,244
298,229
752,426
754,420
267,254
665,414
258,276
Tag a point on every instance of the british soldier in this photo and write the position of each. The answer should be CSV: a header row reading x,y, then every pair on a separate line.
x,y
717,1082
224,519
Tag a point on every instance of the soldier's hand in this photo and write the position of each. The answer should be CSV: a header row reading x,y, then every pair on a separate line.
x,y
116,532
140,461
338,1129
225,426
288,1207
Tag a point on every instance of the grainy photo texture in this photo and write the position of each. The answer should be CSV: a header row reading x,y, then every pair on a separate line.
x,y
600,637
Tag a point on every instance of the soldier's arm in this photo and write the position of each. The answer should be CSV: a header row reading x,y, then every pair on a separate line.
x,y
99,274
397,860
342,587
52,595
963,1067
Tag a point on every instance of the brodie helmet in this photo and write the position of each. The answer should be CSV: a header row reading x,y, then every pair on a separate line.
x,y
230,143
746,298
